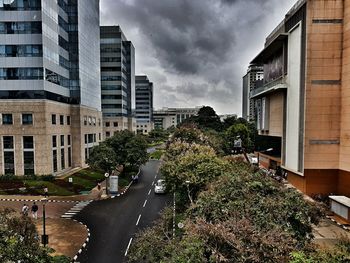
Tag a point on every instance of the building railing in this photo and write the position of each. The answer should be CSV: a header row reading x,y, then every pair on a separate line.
x,y
267,86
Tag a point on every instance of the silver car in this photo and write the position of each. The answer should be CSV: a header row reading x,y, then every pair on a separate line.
x,y
159,187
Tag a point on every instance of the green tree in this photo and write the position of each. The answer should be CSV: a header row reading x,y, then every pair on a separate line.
x,y
19,240
235,132
206,119
102,157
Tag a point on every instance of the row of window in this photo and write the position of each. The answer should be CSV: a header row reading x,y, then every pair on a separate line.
x,y
21,73
114,87
20,5
7,119
61,119
112,106
20,28
21,50
113,78
113,97
62,151
108,124
9,154
91,121
110,59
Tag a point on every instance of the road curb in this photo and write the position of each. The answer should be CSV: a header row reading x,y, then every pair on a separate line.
x,y
338,224
36,200
85,243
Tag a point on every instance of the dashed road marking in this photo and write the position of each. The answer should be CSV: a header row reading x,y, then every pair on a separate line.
x,y
144,204
127,249
153,183
149,192
138,220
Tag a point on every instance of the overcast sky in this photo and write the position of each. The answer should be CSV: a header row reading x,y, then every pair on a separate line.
x,y
195,51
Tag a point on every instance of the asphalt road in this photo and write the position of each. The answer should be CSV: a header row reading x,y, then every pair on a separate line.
x,y
114,222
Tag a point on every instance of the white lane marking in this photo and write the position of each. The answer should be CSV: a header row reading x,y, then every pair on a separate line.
x,y
127,249
153,183
149,192
144,204
138,220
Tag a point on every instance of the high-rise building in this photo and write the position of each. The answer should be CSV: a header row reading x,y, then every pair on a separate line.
x,y
144,104
251,81
50,103
305,100
117,80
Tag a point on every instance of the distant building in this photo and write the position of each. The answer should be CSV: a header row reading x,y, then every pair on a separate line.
x,y
117,80
225,116
144,104
251,81
171,117
303,107
50,94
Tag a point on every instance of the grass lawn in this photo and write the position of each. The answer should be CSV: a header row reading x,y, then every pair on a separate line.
x,y
83,182
157,154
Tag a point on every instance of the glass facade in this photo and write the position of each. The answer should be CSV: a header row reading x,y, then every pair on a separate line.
x,y
20,5
20,28
9,155
28,155
21,51
21,73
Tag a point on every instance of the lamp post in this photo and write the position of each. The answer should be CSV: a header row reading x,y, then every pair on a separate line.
x,y
107,176
44,237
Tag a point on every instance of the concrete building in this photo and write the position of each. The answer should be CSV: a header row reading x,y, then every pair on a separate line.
x,y
251,81
144,104
305,101
117,80
50,103
171,117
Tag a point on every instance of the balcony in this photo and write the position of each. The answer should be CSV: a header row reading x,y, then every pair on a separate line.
x,y
277,84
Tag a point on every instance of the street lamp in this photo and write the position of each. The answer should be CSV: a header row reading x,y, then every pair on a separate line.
x,y
107,176
44,237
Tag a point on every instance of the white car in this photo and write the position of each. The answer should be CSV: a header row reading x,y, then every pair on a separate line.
x,y
159,187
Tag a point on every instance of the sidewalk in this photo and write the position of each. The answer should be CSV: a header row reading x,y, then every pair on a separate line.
x,y
65,237
327,233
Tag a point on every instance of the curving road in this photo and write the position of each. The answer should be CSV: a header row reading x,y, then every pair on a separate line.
x,y
114,222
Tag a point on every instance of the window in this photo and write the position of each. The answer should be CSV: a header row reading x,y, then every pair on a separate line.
x,y
69,140
54,160
68,120
9,162
27,119
94,121
9,155
63,165
61,119
8,142
86,138
62,140
90,120
85,120
21,73
107,124
99,122
94,137
7,119
69,156
53,119
28,160
99,136
115,124
28,142
54,141
108,134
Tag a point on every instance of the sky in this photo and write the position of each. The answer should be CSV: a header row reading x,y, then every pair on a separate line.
x,y
195,51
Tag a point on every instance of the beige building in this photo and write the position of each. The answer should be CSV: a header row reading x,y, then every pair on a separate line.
x,y
305,101
50,91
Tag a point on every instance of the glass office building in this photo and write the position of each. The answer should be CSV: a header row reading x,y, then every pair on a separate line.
x,y
49,83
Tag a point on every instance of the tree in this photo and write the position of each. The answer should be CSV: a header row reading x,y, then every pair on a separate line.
x,y
206,119
102,157
19,240
235,132
188,168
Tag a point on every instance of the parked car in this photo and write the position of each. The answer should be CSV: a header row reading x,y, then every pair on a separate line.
x,y
159,187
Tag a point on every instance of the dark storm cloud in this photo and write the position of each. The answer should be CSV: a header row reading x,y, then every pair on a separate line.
x,y
199,45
